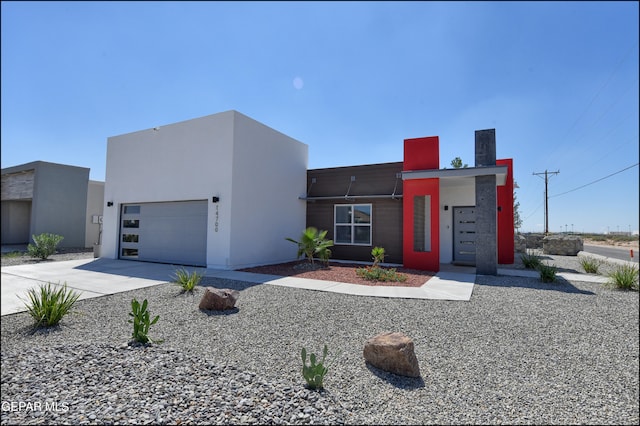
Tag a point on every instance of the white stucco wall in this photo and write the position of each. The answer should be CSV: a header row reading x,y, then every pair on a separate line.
x,y
257,172
453,192
269,176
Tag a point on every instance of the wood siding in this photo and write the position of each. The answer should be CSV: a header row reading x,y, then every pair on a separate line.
x,y
370,180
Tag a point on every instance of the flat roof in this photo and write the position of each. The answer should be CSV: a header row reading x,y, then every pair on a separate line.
x,y
500,172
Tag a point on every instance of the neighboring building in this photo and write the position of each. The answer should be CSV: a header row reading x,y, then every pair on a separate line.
x,y
41,197
221,191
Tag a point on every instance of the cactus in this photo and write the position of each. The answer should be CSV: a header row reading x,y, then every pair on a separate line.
x,y
314,372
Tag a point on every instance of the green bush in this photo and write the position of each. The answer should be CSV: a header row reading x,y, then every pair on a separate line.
x,y
530,260
590,266
45,245
314,372
547,273
187,280
47,305
624,277
141,322
380,274
313,243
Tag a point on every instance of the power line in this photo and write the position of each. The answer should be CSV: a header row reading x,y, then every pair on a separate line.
x,y
595,181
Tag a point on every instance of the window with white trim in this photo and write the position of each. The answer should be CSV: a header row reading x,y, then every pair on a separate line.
x,y
352,224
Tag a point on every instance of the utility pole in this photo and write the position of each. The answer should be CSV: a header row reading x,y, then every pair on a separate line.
x,y
546,196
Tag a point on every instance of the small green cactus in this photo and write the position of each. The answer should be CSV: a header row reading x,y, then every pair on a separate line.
x,y
314,372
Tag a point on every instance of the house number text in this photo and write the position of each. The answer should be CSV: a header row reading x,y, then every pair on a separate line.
x,y
217,217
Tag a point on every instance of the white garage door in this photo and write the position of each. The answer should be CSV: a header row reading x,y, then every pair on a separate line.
x,y
172,232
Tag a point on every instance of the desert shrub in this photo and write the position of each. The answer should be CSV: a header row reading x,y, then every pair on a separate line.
x,y
624,277
47,304
44,245
313,243
590,265
187,280
314,372
530,260
141,322
380,274
547,273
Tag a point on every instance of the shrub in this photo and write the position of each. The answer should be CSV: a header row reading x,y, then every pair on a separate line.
x,y
314,372
590,265
547,273
378,255
624,277
312,243
530,260
45,245
47,305
380,274
141,322
187,280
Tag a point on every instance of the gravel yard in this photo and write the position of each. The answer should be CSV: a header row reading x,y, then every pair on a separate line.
x,y
519,352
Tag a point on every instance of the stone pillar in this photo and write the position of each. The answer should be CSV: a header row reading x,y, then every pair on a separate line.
x,y
486,205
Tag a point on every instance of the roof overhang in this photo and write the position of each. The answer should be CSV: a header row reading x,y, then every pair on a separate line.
x,y
500,172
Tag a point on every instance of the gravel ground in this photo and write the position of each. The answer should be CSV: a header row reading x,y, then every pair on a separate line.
x,y
519,352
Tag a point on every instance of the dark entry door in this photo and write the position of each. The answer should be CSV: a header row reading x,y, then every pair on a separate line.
x,y
464,235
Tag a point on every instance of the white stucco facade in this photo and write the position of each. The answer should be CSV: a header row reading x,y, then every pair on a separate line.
x,y
257,173
454,192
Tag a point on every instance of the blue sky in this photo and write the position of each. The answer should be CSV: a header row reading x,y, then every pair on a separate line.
x,y
557,80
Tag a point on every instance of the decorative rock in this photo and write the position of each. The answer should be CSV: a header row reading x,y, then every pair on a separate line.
x,y
562,245
219,299
520,243
534,241
392,352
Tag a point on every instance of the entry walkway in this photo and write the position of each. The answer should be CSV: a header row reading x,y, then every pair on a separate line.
x,y
100,277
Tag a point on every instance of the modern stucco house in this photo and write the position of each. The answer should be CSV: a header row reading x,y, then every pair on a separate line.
x,y
223,191
41,197
220,191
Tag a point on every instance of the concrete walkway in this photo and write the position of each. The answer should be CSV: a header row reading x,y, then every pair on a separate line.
x,y
100,277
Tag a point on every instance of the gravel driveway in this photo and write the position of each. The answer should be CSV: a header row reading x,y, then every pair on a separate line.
x,y
519,352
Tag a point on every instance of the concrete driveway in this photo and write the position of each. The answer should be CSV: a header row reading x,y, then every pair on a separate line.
x,y
90,277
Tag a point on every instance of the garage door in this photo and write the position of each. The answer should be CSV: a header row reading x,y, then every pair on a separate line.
x,y
172,232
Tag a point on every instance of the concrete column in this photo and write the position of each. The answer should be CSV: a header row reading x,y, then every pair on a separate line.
x,y
486,205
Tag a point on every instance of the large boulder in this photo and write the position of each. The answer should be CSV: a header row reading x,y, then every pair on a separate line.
x,y
534,241
219,299
520,243
563,245
392,352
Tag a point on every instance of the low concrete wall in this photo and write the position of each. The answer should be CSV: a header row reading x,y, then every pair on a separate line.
x,y
563,245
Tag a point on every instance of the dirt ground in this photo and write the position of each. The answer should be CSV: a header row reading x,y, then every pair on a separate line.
x,y
628,244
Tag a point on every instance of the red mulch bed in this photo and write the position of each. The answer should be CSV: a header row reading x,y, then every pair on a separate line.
x,y
341,272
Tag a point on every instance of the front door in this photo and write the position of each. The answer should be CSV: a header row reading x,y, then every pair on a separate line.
x,y
464,235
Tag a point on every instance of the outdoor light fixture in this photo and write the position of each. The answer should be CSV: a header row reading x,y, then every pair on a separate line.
x,y
446,208
215,199
109,203
499,208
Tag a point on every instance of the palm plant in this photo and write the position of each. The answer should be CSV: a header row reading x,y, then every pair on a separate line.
x,y
313,242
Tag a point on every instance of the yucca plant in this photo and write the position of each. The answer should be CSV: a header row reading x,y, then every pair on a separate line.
x,y
530,260
47,304
187,280
312,243
547,273
590,266
624,277
378,254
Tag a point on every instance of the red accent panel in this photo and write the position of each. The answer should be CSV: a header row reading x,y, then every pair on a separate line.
x,y
505,215
422,153
426,261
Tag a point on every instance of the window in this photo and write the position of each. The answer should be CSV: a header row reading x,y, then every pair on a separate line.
x,y
352,224
422,223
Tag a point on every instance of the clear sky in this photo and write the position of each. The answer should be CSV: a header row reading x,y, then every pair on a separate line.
x,y
557,80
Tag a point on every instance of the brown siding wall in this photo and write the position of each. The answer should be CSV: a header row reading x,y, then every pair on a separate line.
x,y
376,179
